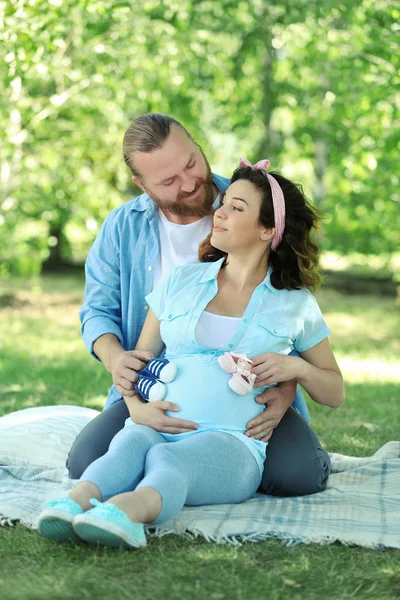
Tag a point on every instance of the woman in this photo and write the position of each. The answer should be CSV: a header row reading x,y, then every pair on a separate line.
x,y
250,294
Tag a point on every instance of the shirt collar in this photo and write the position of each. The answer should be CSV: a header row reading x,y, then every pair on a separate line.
x,y
213,269
268,284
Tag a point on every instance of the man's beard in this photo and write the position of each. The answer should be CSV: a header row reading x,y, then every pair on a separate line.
x,y
198,207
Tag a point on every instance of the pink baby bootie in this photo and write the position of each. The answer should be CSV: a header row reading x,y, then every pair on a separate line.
x,y
239,365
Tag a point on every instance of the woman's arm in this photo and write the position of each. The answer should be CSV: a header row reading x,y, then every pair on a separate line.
x,y
153,414
150,338
320,376
316,371
150,342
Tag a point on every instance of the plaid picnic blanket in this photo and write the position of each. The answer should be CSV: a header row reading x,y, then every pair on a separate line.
x,y
360,506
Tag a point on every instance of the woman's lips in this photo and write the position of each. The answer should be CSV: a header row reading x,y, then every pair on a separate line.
x,y
217,228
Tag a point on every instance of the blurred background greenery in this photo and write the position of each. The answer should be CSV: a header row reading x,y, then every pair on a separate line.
x,y
312,85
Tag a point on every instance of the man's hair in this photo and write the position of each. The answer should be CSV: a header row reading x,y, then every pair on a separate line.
x,y
147,133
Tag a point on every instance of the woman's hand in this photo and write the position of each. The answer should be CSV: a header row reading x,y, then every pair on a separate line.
x,y
153,415
124,369
274,368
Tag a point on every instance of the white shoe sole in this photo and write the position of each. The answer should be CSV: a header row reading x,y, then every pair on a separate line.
x,y
95,531
56,525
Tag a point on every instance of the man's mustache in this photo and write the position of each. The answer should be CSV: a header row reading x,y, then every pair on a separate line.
x,y
184,195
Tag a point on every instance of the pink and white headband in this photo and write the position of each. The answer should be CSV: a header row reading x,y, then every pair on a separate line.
x,y
278,198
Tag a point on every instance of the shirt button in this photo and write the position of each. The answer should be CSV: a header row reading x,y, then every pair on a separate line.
x,y
169,316
149,268
146,307
244,320
230,345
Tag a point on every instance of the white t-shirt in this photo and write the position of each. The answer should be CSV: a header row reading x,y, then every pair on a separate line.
x,y
179,244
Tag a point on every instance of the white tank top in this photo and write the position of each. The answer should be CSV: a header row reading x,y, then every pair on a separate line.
x,y
215,331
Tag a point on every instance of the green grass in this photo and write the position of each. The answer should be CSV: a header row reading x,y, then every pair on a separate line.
x,y
43,362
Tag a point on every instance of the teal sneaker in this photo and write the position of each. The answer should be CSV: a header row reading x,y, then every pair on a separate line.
x,y
55,520
108,525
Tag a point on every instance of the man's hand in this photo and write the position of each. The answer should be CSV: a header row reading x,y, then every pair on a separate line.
x,y
124,370
277,400
153,415
274,368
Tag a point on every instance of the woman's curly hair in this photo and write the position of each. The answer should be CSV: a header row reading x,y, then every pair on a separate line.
x,y
295,261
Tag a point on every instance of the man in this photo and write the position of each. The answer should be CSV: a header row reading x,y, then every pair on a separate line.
x,y
138,244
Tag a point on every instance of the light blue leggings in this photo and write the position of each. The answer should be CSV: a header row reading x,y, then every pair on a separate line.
x,y
210,467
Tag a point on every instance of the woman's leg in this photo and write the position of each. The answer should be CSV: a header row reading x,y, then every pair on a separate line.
x,y
120,469
95,438
296,463
205,468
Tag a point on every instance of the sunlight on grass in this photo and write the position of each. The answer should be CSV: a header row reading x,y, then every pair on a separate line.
x,y
344,325
360,444
361,262
359,371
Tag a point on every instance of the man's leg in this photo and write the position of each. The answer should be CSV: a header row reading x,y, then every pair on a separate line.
x,y
95,438
296,464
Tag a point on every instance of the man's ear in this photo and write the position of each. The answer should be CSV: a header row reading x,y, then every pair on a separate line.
x,y
267,234
138,182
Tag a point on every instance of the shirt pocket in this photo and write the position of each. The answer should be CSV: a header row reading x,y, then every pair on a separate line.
x,y
272,338
174,326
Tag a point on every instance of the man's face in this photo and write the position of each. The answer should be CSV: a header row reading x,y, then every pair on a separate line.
x,y
177,176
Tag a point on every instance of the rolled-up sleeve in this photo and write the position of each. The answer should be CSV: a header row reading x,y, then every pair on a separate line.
x,y
101,310
313,329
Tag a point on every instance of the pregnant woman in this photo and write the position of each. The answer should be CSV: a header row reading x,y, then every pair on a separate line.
x,y
249,296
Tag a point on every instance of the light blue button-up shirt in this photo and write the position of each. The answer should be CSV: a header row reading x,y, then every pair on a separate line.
x,y
119,274
274,321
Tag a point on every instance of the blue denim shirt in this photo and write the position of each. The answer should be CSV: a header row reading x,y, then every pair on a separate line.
x,y
119,274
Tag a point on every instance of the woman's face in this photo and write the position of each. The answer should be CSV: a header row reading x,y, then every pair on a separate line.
x,y
236,222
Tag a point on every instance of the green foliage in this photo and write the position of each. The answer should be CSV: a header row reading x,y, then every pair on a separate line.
x,y
311,84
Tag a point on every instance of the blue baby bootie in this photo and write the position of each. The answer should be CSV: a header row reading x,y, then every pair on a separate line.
x,y
150,384
150,389
161,369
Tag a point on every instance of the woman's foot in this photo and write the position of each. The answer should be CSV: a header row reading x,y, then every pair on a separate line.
x,y
55,520
108,525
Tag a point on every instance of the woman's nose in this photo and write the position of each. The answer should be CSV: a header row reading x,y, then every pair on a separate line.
x,y
220,213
